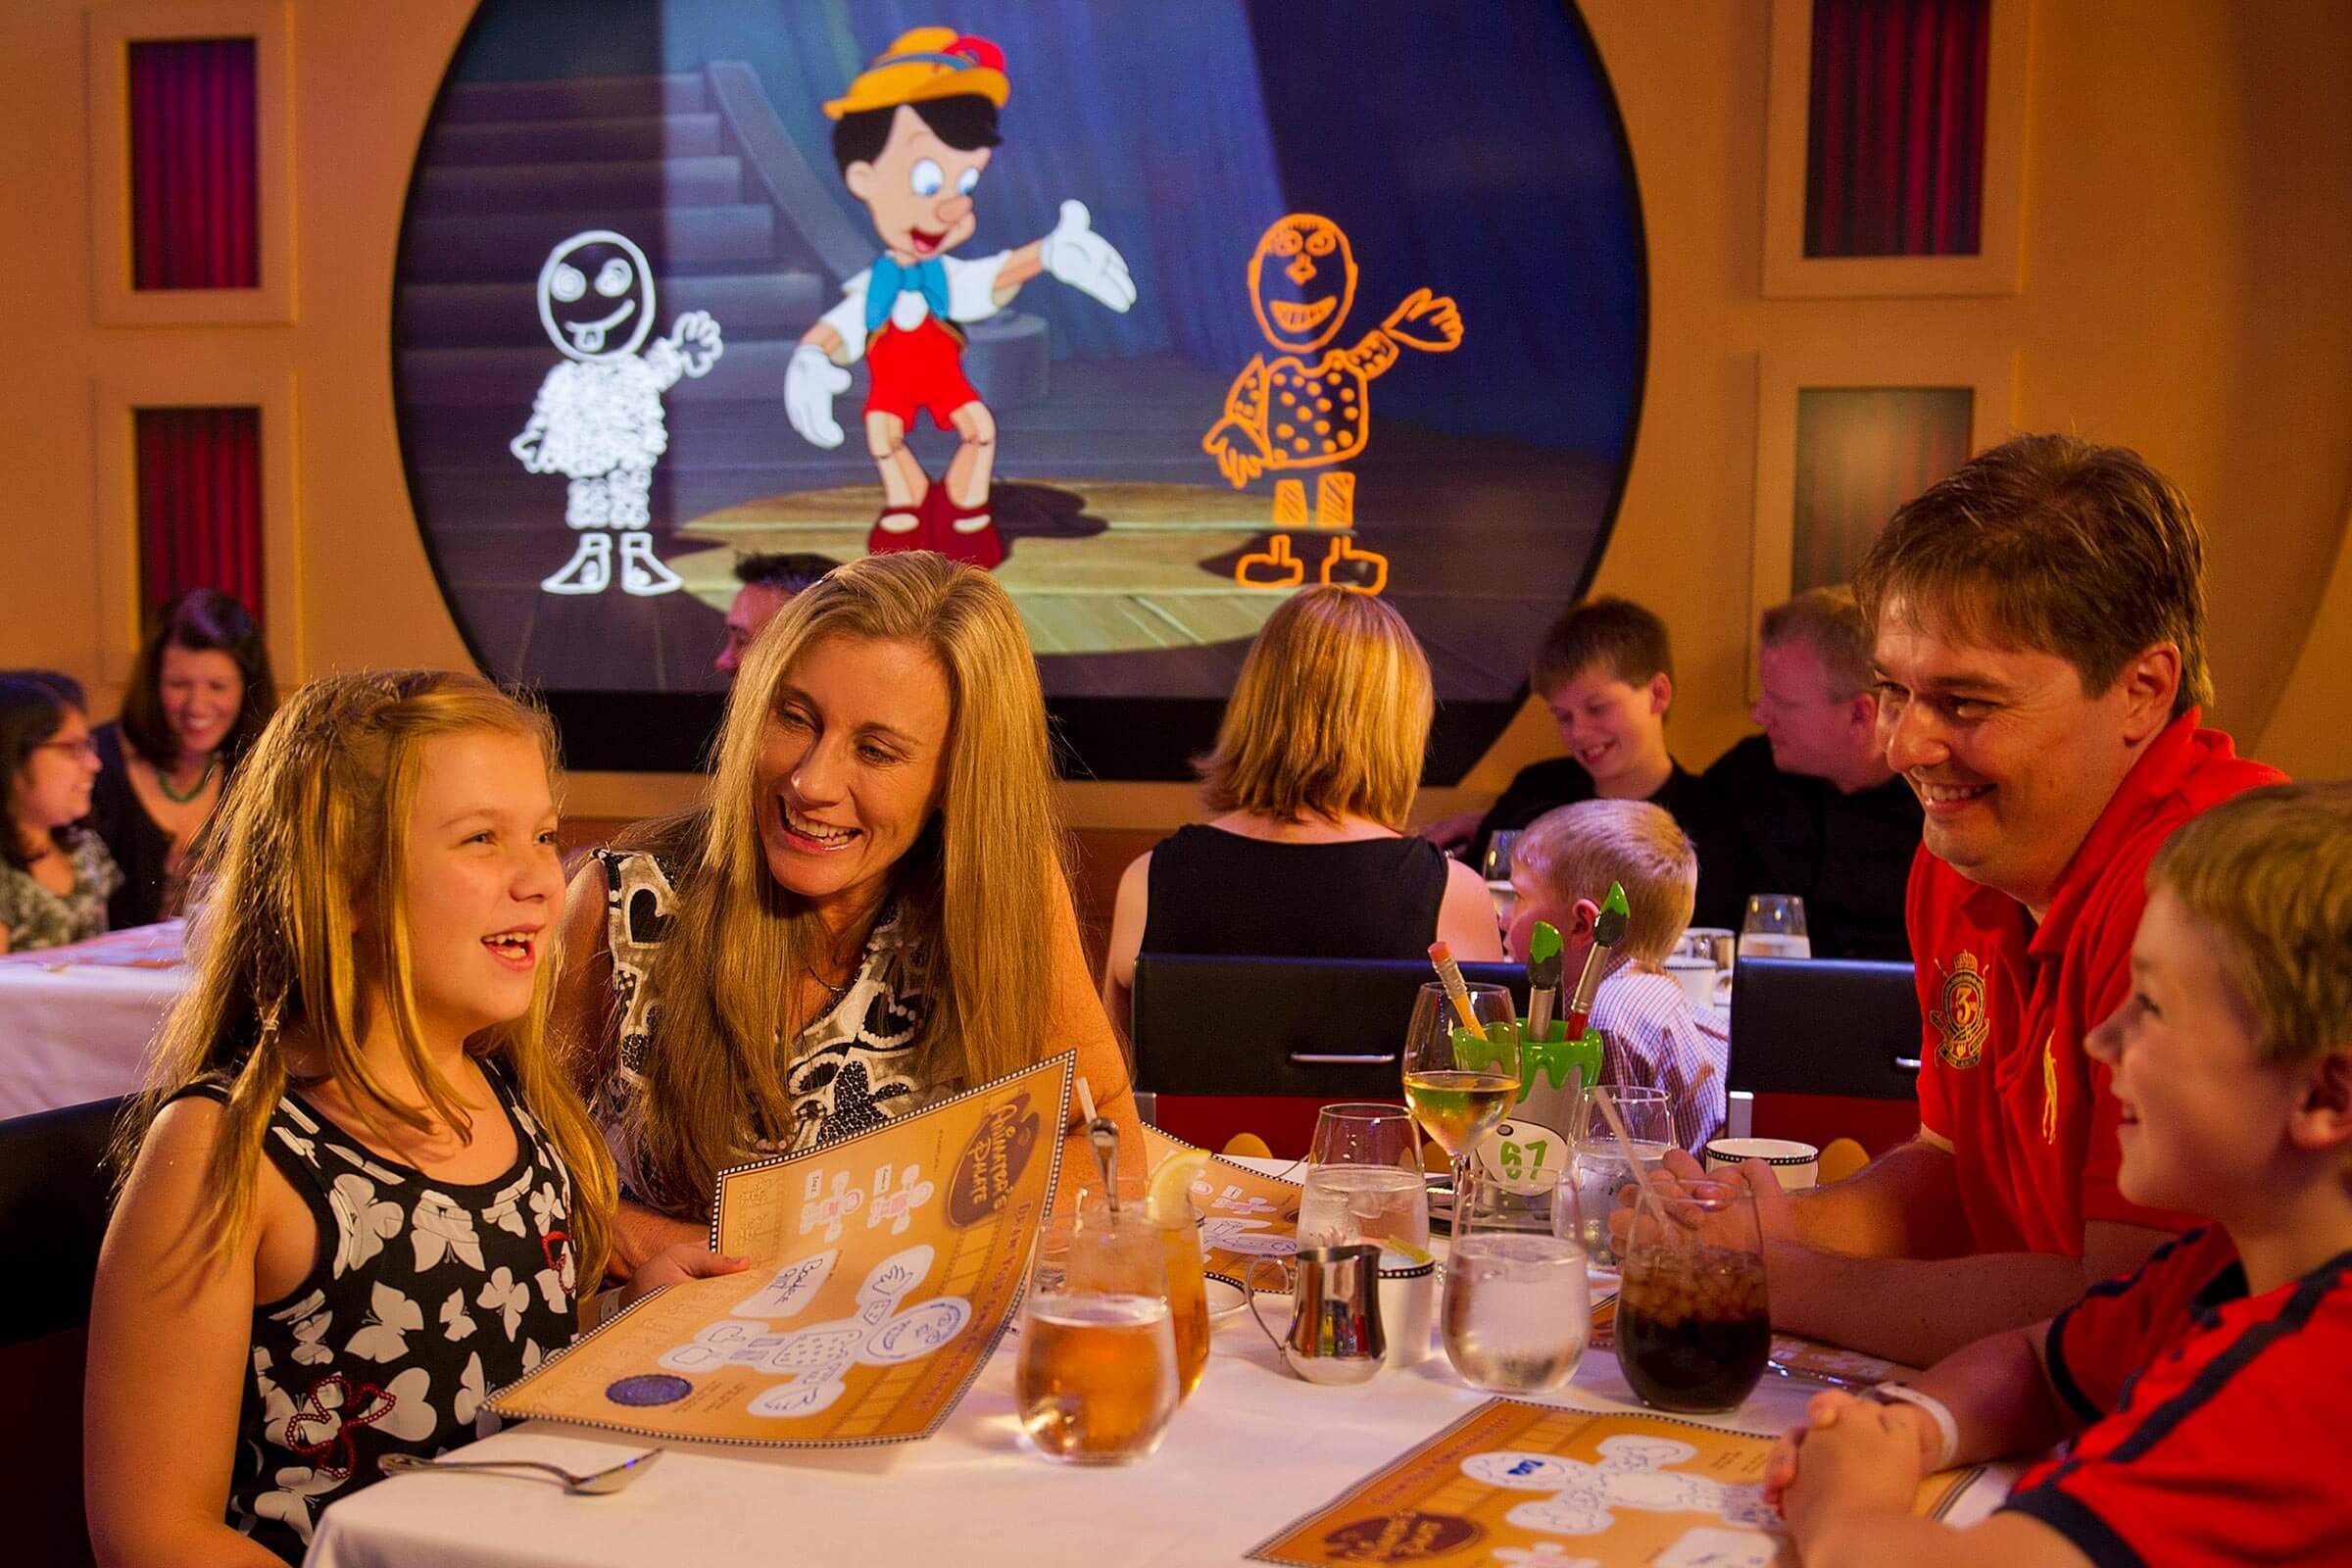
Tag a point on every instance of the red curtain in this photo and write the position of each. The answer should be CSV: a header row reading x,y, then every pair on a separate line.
x,y
1861,452
194,165
200,503
1894,157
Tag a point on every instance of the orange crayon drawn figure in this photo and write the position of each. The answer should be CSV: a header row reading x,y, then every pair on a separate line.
x,y
1288,412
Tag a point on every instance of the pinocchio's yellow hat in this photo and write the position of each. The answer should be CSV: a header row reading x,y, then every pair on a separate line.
x,y
926,63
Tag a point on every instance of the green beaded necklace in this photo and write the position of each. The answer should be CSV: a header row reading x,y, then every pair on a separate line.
x,y
162,782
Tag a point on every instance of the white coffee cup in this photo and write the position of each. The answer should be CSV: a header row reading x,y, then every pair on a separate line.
x,y
1797,1165
1705,985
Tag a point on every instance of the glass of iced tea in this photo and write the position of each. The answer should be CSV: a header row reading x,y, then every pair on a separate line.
x,y
1459,1083
1096,1379
1177,1224
1693,1324
1517,1310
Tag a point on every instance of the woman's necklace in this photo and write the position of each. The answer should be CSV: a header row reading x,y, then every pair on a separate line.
x,y
163,781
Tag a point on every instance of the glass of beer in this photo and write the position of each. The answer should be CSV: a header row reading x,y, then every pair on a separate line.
x,y
1693,1324
1096,1376
1517,1310
1177,1224
1459,1083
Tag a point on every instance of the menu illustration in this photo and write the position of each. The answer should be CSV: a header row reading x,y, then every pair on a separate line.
x,y
885,1268
1245,1214
1513,1483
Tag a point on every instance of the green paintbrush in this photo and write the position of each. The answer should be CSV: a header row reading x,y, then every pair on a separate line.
x,y
1544,948
1608,929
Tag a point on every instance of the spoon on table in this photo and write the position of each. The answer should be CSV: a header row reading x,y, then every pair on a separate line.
x,y
596,1483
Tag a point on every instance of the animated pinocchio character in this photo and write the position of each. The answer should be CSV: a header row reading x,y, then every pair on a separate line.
x,y
913,137
1290,413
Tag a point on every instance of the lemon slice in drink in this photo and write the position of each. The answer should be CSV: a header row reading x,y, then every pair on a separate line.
x,y
1168,1199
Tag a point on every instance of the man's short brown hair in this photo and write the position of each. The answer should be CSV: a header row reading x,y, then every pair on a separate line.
x,y
2270,872
1616,632
2052,543
1575,851
1827,620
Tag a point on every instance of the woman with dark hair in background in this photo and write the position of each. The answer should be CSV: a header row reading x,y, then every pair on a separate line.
x,y
54,878
199,694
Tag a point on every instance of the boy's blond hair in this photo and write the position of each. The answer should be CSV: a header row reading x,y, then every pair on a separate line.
x,y
1330,716
1577,850
2271,871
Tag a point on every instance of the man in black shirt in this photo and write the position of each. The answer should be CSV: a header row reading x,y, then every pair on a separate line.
x,y
1816,810
1606,673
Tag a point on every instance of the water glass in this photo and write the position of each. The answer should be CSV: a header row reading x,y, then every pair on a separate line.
x,y
1693,1322
1599,1164
1342,1206
1096,1377
1517,1310
1365,1133
1775,928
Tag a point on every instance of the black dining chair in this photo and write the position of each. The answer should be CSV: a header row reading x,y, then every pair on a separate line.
x,y
1259,1045
52,1210
1829,1048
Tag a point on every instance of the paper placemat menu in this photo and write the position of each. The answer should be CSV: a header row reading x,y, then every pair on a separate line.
x,y
1531,1483
1245,1213
885,1268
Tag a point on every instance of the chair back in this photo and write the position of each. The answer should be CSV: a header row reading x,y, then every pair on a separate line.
x,y
1828,1046
1257,1044
52,1210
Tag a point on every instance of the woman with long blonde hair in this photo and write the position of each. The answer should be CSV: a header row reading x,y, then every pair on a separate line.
x,y
869,910
359,1192
1316,765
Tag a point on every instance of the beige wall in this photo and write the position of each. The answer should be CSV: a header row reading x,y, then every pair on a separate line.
x,y
2188,270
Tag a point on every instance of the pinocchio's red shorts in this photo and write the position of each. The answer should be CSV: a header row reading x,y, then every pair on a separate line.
x,y
919,368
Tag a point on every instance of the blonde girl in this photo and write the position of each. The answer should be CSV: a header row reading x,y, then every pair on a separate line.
x,y
360,1193
869,911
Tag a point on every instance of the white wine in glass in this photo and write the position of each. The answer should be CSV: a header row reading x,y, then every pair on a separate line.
x,y
1461,1087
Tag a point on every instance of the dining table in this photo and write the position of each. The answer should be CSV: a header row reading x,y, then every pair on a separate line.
x,y
1252,1451
75,1021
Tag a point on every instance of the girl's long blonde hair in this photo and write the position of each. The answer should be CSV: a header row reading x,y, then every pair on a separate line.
x,y
306,925
974,893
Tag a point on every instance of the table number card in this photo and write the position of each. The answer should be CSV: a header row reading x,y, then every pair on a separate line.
x,y
1245,1214
1538,1487
885,1268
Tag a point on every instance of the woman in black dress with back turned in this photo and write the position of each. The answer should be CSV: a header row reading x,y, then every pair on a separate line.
x,y
1315,766
199,694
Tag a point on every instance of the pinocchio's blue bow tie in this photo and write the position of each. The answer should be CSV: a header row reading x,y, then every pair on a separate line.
x,y
926,277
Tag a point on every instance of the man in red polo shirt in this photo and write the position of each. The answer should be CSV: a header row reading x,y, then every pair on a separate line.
x,y
2040,625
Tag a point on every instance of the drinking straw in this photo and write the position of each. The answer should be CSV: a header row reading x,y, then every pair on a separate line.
x,y
1441,957
1624,1140
1086,1100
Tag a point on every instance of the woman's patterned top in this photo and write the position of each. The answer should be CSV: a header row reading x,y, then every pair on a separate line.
x,y
35,917
851,1069
425,1297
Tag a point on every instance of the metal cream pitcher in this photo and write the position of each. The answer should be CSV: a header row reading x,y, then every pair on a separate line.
x,y
1335,1334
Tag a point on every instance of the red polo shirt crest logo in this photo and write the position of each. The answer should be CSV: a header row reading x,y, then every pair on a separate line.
x,y
1960,1023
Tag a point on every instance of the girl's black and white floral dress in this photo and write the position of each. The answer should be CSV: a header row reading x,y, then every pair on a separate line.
x,y
425,1296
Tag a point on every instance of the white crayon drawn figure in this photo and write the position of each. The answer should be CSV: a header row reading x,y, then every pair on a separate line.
x,y
1252,1235
598,416
814,1360
895,1208
1631,1474
829,1211
1542,1554
1236,1201
793,1288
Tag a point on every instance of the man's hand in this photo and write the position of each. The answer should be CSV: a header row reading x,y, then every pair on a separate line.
x,y
695,336
812,381
1776,1218
1432,324
1090,263
1452,833
1856,1457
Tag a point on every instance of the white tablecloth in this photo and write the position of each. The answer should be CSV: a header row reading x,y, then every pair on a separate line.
x,y
75,1022
1249,1452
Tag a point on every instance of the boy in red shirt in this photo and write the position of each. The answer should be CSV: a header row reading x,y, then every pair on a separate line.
x,y
2195,1389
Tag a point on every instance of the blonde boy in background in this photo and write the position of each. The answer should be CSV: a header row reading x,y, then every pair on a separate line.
x,y
2195,1389
1653,1034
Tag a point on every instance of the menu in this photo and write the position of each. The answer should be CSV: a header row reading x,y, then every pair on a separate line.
x,y
1244,1215
885,1268
1533,1484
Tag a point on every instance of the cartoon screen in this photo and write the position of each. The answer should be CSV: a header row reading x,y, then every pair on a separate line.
x,y
1157,312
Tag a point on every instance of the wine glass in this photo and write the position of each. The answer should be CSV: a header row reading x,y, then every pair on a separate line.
x,y
1365,1133
1517,1306
1775,928
1694,1323
1363,1180
1458,1083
